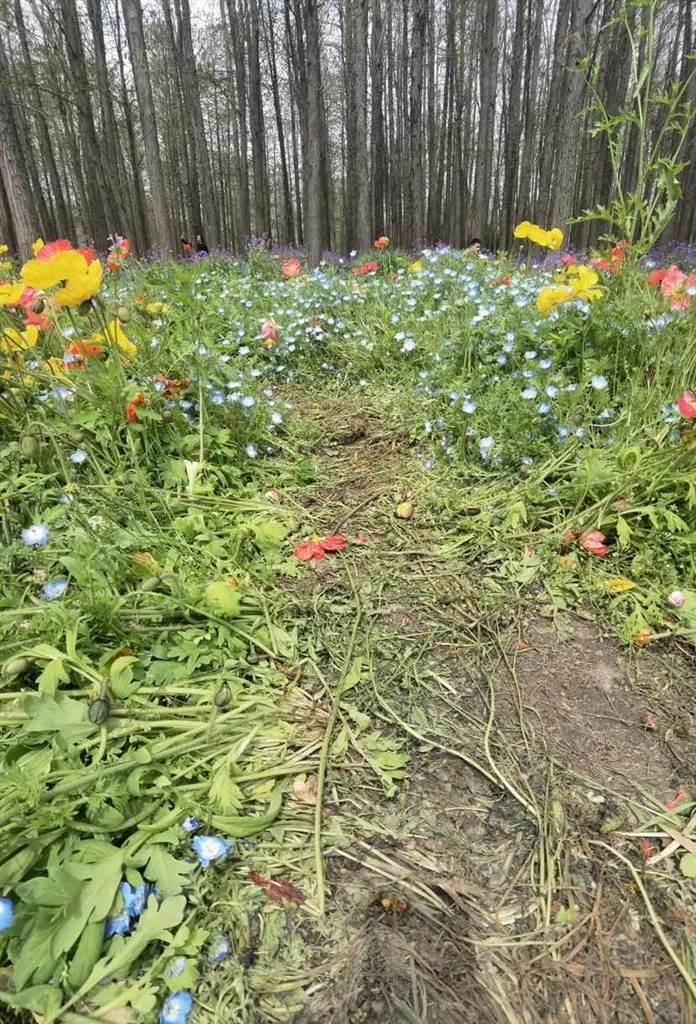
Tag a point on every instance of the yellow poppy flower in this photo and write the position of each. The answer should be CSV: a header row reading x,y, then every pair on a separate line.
x,y
81,287
555,240
416,266
14,341
57,367
10,292
156,308
552,296
538,235
5,265
583,281
38,246
4,249
115,335
523,228
80,280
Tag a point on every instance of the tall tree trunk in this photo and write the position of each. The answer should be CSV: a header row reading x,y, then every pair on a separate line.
x,y
133,15
570,126
64,223
361,157
488,77
262,209
378,141
209,214
416,169
99,206
16,193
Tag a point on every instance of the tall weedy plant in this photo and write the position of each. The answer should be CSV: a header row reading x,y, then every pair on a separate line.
x,y
645,139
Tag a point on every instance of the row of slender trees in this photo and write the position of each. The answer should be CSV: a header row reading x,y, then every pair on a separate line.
x,y
322,123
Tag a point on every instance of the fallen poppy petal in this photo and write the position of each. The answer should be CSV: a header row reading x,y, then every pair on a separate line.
x,y
309,550
333,543
279,892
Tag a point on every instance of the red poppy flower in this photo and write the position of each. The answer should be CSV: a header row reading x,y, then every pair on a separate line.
x,y
85,350
171,387
291,268
600,263
371,267
136,403
593,542
686,405
382,243
317,548
48,251
657,276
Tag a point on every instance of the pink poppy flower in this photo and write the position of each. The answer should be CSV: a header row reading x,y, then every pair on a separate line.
x,y
674,287
686,405
593,542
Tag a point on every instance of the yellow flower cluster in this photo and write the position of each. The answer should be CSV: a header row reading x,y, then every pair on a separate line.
x,y
576,282
79,279
552,239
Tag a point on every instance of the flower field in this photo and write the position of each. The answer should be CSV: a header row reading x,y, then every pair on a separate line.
x,y
219,479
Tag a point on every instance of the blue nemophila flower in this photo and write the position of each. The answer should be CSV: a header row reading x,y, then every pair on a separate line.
x,y
176,968
248,402
530,355
133,899
219,950
469,406
176,1008
79,456
408,345
54,589
545,364
36,536
117,924
599,383
529,393
217,397
552,391
252,451
544,408
210,848
6,914
276,419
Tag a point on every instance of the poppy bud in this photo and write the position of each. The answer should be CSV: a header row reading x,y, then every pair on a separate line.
x,y
85,307
151,584
223,696
98,710
38,307
16,667
30,446
124,314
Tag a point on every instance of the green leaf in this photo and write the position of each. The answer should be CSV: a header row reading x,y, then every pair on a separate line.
x,y
623,532
122,681
58,714
361,720
687,865
225,795
169,874
249,825
43,1000
353,676
86,953
269,534
223,599
52,676
100,873
153,926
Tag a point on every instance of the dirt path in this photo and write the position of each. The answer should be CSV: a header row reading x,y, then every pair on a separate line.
x,y
490,886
